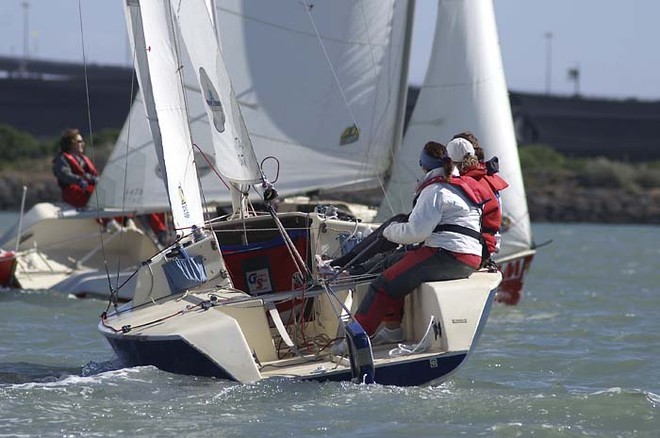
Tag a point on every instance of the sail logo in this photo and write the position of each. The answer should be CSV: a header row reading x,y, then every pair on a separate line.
x,y
506,224
184,204
259,281
212,99
240,151
350,135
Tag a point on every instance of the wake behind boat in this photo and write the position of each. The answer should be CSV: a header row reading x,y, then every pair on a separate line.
x,y
242,299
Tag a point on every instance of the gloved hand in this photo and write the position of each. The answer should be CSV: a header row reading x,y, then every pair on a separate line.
x,y
91,179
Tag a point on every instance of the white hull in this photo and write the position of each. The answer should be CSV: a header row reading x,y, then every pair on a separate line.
x,y
218,331
66,250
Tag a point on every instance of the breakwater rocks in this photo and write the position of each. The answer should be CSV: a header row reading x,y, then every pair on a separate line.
x,y
553,200
550,199
41,187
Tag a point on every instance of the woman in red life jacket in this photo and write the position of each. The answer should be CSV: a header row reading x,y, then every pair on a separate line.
x,y
446,219
76,174
465,151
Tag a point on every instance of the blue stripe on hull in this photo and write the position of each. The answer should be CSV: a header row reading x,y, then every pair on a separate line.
x,y
177,356
173,355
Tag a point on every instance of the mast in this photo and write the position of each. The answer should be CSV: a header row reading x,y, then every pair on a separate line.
x,y
402,98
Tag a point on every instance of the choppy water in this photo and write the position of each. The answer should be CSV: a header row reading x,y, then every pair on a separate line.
x,y
579,356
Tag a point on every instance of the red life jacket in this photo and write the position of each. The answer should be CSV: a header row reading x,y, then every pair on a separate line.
x,y
469,187
491,220
480,194
77,168
74,194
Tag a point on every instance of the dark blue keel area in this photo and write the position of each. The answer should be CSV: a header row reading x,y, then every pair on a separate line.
x,y
173,355
177,356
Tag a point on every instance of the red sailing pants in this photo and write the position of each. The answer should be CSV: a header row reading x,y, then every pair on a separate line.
x,y
404,273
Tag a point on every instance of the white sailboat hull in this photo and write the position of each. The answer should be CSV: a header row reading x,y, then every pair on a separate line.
x,y
224,333
59,249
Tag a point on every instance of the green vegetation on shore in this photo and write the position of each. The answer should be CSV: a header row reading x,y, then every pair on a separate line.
x,y
558,188
20,151
542,161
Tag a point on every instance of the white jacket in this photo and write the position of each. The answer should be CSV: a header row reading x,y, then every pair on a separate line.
x,y
439,204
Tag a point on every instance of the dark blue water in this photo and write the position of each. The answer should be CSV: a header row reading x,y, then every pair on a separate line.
x,y
579,356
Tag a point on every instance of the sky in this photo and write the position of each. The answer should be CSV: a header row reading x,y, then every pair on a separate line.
x,y
613,43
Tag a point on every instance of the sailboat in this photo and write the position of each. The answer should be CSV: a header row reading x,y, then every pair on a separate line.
x,y
56,246
275,316
465,89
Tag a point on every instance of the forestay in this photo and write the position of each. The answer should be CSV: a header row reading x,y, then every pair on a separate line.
x,y
150,25
291,96
464,89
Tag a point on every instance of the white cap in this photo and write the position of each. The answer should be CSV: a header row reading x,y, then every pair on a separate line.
x,y
458,148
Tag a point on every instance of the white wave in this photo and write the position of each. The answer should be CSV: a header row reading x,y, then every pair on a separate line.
x,y
126,374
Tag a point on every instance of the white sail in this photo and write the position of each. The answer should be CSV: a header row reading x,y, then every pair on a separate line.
x,y
464,89
298,105
150,25
235,157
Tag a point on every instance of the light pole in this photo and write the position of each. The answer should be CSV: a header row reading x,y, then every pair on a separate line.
x,y
548,62
26,38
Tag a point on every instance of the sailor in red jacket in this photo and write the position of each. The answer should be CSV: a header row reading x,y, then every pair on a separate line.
x,y
446,221
76,174
469,164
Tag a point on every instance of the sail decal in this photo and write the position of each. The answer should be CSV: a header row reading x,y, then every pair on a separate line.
x,y
212,100
350,135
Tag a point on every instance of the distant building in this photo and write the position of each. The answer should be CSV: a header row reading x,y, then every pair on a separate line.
x,y
50,96
624,130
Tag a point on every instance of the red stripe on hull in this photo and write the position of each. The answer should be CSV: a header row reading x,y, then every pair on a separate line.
x,y
513,276
7,262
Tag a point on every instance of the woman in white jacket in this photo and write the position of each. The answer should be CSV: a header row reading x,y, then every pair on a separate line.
x,y
446,219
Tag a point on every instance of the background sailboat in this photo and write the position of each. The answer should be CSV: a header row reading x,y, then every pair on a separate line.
x,y
302,101
465,89
320,88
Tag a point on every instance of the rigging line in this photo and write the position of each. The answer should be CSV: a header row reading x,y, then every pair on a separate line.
x,y
115,290
91,138
308,9
217,173
386,195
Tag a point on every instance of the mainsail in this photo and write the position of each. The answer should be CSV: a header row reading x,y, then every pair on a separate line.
x,y
329,120
151,27
464,89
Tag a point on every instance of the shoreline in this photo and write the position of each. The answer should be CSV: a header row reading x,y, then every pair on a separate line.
x,y
549,199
